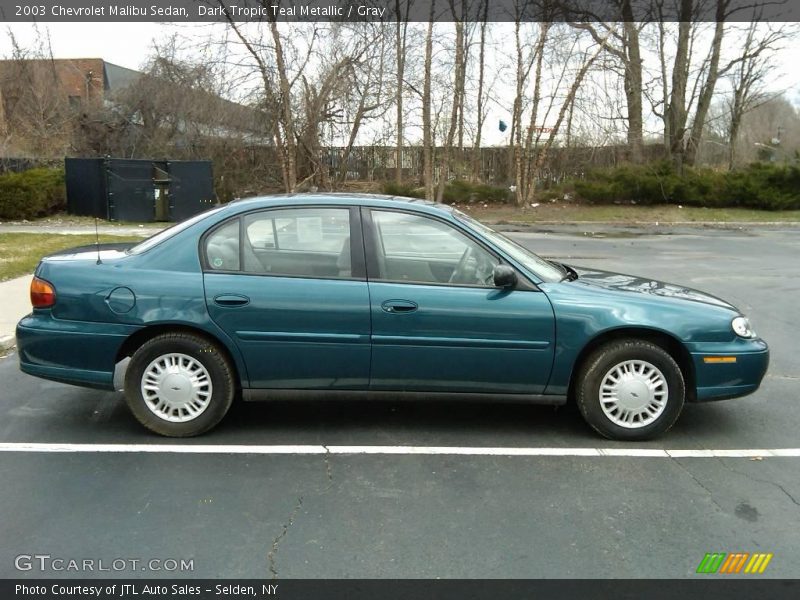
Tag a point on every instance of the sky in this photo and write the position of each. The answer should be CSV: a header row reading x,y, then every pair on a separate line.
x,y
129,44
124,44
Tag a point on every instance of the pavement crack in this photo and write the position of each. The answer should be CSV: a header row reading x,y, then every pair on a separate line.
x,y
273,553
759,480
328,467
698,482
783,489
279,538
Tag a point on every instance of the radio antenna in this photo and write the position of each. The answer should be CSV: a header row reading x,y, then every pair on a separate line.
x,y
97,241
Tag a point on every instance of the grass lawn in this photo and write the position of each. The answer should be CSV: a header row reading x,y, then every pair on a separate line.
x,y
572,213
20,252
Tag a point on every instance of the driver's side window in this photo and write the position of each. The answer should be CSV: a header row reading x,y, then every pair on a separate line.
x,y
417,249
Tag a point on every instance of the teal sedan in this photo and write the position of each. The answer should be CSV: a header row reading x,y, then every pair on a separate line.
x,y
313,296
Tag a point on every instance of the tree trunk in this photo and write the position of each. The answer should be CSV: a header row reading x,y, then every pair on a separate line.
x,y
427,157
528,179
290,142
458,91
516,119
733,134
633,85
400,48
707,92
676,112
361,111
476,158
662,58
464,50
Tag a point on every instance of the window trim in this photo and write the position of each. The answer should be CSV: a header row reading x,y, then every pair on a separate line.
x,y
358,271
371,250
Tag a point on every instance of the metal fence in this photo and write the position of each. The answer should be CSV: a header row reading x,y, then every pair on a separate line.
x,y
256,168
492,165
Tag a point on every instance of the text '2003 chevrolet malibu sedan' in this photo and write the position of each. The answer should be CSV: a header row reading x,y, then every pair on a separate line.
x,y
366,295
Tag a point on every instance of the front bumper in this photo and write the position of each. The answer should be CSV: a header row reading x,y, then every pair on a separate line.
x,y
745,364
75,352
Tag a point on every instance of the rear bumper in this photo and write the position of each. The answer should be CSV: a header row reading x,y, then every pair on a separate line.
x,y
747,363
82,377
75,352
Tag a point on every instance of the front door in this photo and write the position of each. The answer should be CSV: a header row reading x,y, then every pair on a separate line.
x,y
438,322
288,285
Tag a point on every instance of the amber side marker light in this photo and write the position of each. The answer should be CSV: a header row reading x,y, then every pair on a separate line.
x,y
719,359
43,294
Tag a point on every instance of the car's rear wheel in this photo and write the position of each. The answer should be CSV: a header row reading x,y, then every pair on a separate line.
x,y
179,384
630,390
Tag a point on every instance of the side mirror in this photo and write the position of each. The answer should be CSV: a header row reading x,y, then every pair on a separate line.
x,y
504,276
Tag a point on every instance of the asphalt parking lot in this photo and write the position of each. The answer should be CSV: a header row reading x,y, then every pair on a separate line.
x,y
421,515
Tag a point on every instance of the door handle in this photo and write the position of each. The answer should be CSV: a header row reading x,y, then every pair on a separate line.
x,y
231,300
399,306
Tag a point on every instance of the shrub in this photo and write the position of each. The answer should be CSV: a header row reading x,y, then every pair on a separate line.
x,y
32,193
760,186
459,190
456,191
766,187
392,188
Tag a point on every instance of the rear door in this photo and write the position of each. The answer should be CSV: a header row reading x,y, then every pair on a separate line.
x,y
438,322
289,286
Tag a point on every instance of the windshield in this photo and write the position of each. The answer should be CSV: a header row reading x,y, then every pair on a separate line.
x,y
170,231
546,270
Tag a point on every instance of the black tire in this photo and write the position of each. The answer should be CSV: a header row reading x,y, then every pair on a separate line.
x,y
213,360
601,362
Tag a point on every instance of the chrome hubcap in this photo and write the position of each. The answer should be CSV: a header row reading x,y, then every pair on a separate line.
x,y
176,388
633,394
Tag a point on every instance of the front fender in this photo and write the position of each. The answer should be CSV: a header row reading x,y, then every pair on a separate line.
x,y
583,313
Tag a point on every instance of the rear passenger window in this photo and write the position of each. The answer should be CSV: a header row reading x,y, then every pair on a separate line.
x,y
300,242
305,229
303,242
222,247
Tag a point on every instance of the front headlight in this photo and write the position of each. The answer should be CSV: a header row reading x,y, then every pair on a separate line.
x,y
741,327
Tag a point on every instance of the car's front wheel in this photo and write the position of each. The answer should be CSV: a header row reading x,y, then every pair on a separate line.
x,y
179,385
630,390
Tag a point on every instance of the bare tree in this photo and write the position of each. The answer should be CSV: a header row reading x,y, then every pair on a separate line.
x,y
401,40
623,44
522,152
457,103
277,83
676,113
749,78
709,84
38,116
365,96
481,100
179,108
427,130
575,67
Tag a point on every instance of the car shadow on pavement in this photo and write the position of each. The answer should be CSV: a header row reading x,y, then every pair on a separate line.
x,y
404,423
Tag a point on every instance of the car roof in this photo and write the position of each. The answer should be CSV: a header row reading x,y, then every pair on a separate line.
x,y
337,198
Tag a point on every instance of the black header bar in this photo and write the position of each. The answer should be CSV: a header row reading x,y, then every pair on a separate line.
x,y
220,11
702,587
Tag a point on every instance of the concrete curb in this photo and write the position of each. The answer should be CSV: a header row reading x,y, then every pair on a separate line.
x,y
7,342
661,224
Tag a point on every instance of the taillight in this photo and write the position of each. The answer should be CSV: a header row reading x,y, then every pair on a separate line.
x,y
43,294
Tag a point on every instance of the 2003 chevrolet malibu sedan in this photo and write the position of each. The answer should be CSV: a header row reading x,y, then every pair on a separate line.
x,y
356,295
